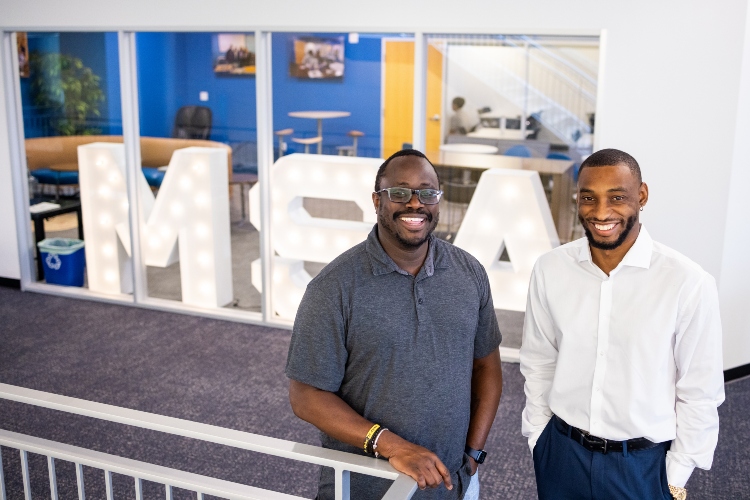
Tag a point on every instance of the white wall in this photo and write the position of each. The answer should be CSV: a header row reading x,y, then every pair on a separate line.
x,y
670,96
735,273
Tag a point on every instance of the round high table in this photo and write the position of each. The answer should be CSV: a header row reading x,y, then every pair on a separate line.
x,y
320,116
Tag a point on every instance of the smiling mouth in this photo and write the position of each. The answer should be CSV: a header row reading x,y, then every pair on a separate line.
x,y
604,227
412,221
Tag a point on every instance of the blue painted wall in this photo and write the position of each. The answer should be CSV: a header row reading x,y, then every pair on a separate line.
x,y
173,68
358,92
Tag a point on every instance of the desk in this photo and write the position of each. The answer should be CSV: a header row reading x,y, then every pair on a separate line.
x,y
561,172
320,116
66,206
500,133
485,149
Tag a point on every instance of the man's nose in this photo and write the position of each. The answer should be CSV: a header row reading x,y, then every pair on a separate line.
x,y
414,201
602,210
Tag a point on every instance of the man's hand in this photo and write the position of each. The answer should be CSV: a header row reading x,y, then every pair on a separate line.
x,y
419,463
474,466
332,415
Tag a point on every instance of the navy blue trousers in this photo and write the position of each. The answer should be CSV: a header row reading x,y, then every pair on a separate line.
x,y
566,470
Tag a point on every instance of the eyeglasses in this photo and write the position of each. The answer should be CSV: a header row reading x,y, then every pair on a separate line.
x,y
403,195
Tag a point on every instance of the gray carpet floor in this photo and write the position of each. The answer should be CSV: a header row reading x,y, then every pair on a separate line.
x,y
230,375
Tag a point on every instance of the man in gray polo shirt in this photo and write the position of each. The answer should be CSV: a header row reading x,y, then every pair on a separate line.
x,y
400,332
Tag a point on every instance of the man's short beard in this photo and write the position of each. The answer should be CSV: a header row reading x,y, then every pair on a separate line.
x,y
609,246
388,225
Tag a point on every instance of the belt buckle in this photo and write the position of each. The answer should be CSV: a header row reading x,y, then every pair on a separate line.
x,y
598,442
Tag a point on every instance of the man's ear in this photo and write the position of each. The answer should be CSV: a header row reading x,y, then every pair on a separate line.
x,y
376,201
643,194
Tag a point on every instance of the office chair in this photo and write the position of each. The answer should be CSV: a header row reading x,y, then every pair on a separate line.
x,y
192,122
518,150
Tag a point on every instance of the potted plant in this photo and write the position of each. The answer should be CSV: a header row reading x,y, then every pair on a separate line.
x,y
68,90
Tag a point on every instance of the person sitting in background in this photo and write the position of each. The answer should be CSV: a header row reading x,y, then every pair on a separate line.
x,y
461,122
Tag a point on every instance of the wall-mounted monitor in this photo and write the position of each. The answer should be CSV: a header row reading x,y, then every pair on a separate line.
x,y
317,58
234,54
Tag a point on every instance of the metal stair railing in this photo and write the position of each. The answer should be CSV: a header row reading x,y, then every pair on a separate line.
x,y
343,464
563,96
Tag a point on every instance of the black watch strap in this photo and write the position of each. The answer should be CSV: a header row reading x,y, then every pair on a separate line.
x,y
477,455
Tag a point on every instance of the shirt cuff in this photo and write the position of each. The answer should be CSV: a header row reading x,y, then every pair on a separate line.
x,y
677,473
533,437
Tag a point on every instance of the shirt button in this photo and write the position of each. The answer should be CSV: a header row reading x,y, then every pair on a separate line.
x,y
601,353
420,301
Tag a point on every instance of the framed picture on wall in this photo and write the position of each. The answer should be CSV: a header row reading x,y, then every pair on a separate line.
x,y
22,42
234,54
317,58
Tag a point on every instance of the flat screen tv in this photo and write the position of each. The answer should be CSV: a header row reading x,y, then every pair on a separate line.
x,y
234,54
315,58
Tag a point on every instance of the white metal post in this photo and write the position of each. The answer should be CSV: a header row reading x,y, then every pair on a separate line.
x,y
53,478
3,495
79,481
25,473
342,486
108,485
131,138
20,185
264,107
138,488
420,92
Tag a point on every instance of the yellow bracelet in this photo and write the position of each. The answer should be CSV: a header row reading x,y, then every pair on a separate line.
x,y
371,433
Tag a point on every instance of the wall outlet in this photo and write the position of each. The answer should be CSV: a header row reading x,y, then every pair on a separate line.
x,y
203,96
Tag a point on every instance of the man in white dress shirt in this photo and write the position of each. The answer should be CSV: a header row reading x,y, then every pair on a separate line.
x,y
621,352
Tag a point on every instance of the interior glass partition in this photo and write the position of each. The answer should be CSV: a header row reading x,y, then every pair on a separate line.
x,y
70,96
516,118
198,142
341,103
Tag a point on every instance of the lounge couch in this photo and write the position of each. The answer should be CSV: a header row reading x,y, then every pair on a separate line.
x,y
54,160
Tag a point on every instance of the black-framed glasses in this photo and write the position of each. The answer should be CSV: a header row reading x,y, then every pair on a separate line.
x,y
403,195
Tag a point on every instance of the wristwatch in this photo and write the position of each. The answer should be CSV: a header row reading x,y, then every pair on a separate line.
x,y
678,493
477,455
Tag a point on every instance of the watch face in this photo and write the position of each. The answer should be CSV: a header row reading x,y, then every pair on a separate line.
x,y
481,456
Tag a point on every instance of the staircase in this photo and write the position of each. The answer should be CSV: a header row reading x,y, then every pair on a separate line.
x,y
543,81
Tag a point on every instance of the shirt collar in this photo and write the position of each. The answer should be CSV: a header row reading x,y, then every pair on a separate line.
x,y
382,263
639,254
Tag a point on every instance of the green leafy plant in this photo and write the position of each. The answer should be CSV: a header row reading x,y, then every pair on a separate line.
x,y
68,90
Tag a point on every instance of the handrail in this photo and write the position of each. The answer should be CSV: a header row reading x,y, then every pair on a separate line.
x,y
559,59
142,470
340,461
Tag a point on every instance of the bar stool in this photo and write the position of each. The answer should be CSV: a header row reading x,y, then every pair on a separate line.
x,y
307,141
281,134
351,150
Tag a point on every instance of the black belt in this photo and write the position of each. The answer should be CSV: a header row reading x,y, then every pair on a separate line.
x,y
601,445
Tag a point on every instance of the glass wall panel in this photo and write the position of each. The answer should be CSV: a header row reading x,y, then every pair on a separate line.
x,y
199,160
341,103
515,117
70,95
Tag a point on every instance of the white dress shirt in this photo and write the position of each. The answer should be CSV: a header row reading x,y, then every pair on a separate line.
x,y
633,354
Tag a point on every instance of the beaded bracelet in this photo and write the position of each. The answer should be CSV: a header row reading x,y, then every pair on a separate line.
x,y
375,441
368,439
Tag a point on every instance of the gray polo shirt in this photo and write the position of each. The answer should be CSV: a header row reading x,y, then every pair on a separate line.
x,y
398,349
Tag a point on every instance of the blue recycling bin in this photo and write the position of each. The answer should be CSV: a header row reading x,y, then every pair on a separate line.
x,y
64,260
